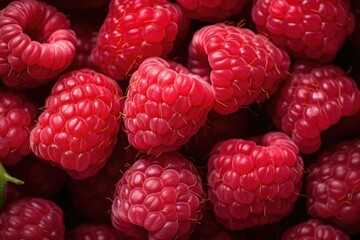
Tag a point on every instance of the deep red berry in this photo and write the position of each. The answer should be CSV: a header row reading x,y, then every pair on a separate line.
x,y
312,100
36,43
242,67
211,11
332,186
134,31
254,182
32,218
305,29
78,128
164,108
17,118
314,229
158,198
89,231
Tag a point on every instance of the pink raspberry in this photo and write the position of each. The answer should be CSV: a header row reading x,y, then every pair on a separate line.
x,y
312,100
314,229
78,128
211,11
164,108
254,182
32,218
306,29
332,186
242,67
91,196
17,118
90,231
134,31
36,43
158,198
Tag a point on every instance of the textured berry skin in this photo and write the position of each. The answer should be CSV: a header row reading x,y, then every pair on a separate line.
x,y
40,178
164,108
134,31
254,182
211,11
242,67
311,101
17,118
36,43
314,229
306,29
332,186
91,196
89,231
32,218
158,198
78,128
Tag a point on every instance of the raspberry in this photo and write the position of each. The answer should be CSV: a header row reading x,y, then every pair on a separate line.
x,y
36,43
32,218
88,231
311,101
254,182
306,29
158,198
243,67
211,11
91,196
17,118
332,186
78,128
134,31
40,178
164,108
314,229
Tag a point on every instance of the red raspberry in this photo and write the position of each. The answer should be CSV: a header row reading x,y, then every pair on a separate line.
x,y
243,67
88,231
332,186
211,11
91,196
78,128
32,218
134,31
314,229
306,29
40,178
17,118
254,182
36,43
164,108
311,101
158,198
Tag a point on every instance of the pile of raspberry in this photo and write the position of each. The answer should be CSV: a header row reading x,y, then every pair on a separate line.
x,y
159,119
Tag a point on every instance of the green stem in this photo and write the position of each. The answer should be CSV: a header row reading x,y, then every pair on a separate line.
x,y
4,179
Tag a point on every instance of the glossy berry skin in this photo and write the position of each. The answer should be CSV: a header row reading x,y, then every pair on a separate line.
x,y
332,186
78,128
32,218
211,11
36,43
134,31
312,100
17,118
164,108
314,229
90,231
242,67
254,182
158,198
305,29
